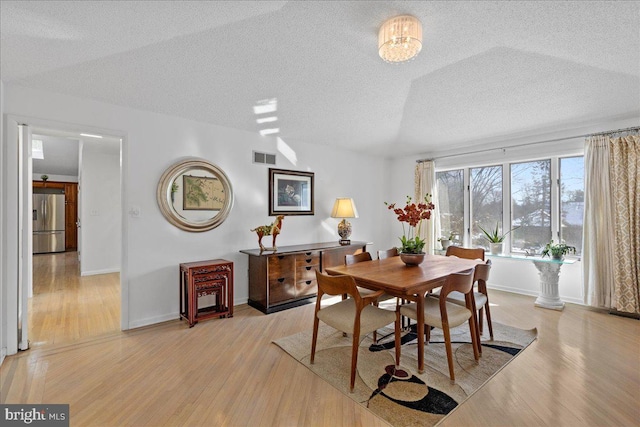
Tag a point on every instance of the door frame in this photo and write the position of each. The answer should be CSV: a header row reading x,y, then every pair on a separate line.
x,y
18,182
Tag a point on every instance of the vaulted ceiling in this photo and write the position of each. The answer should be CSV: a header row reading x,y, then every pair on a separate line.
x,y
487,70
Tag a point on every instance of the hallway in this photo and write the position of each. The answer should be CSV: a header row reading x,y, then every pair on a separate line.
x,y
67,307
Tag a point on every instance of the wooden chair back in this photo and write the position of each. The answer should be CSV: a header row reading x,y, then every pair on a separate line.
x,y
352,259
461,282
388,253
481,275
467,253
336,285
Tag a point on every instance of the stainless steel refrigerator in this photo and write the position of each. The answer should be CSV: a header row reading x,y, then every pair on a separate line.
x,y
48,223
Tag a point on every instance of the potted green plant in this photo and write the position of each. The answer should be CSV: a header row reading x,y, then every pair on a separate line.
x,y
446,241
495,238
44,177
557,250
412,246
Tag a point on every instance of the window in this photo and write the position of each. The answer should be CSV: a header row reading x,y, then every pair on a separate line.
x,y
451,203
530,205
486,202
571,201
541,199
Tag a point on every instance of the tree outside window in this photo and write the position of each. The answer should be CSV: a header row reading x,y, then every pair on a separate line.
x,y
451,203
531,205
486,202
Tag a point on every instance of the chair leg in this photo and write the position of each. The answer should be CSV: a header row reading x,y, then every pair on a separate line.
x,y
344,297
447,344
406,321
315,338
427,333
354,358
478,334
473,331
480,315
397,337
489,319
375,333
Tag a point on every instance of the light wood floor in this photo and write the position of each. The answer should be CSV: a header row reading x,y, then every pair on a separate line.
x,y
66,307
584,369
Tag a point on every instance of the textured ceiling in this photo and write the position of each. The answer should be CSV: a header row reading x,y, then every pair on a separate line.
x,y
62,149
60,156
487,71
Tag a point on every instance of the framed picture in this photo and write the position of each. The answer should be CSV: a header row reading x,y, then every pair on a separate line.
x,y
202,193
290,192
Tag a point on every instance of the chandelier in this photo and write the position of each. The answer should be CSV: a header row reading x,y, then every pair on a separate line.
x,y
400,39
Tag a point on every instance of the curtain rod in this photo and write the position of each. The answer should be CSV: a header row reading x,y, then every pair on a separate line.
x,y
636,128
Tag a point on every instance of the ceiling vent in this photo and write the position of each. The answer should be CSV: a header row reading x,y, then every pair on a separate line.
x,y
264,158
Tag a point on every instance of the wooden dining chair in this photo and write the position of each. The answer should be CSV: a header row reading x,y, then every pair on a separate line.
x,y
481,297
481,276
440,313
362,257
352,259
468,253
388,253
355,315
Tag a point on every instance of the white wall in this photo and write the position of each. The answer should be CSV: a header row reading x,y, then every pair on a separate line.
x,y
100,211
155,141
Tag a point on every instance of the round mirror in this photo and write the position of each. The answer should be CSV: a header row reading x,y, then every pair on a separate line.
x,y
195,195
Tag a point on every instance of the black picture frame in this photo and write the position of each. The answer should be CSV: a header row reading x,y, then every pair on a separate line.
x,y
290,192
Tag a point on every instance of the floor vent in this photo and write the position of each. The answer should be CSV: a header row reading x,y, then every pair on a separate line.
x,y
264,158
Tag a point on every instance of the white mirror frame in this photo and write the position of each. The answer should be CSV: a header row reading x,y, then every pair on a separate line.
x,y
163,194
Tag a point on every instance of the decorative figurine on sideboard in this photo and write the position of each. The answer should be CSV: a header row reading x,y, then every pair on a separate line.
x,y
272,229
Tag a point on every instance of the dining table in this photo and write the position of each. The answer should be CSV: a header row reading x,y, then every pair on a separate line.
x,y
409,282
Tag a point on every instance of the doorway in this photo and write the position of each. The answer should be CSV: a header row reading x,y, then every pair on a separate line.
x,y
75,293
18,216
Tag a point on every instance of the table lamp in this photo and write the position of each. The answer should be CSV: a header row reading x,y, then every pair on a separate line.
x,y
344,207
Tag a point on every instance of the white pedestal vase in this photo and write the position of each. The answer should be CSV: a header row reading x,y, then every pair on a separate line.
x,y
549,277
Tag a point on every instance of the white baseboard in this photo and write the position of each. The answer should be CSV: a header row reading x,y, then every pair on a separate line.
x,y
532,293
167,317
96,272
153,320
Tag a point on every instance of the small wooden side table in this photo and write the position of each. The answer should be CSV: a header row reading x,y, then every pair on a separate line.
x,y
199,279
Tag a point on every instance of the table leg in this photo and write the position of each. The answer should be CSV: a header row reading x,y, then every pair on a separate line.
x,y
420,332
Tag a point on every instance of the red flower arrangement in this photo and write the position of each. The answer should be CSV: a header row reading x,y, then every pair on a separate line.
x,y
413,214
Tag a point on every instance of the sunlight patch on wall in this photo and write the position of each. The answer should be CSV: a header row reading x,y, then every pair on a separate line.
x,y
287,152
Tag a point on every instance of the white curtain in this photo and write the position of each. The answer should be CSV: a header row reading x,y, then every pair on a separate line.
x,y
599,227
425,183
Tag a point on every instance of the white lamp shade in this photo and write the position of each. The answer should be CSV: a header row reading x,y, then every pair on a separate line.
x,y
344,207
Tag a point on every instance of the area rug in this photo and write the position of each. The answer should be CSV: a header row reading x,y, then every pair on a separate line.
x,y
402,396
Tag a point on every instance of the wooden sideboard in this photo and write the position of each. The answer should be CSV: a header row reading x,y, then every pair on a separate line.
x,y
213,278
286,278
